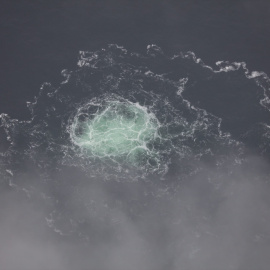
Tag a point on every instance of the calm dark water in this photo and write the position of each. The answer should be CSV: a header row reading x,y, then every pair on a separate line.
x,y
194,194
40,38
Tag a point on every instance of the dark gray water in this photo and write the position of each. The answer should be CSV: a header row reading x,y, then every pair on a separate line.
x,y
134,153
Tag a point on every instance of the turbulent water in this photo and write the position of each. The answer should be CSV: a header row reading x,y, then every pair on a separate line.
x,y
153,123
120,131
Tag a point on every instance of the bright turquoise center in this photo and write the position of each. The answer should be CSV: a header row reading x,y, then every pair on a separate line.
x,y
121,130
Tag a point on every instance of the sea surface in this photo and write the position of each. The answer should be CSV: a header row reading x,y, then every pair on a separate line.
x,y
135,135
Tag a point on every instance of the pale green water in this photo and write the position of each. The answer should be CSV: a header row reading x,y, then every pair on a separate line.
x,y
121,130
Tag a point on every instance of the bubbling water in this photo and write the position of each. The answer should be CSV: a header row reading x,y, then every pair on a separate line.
x,y
117,130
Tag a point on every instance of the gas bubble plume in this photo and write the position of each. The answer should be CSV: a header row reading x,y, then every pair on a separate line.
x,y
118,130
